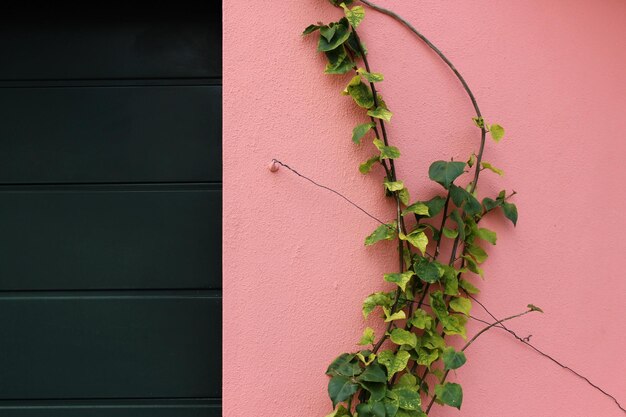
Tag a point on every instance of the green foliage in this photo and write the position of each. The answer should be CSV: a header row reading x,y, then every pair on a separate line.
x,y
382,232
361,130
450,394
360,92
393,362
354,15
428,303
380,113
453,359
368,337
445,173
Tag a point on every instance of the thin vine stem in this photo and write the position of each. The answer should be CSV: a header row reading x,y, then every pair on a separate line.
x,y
469,343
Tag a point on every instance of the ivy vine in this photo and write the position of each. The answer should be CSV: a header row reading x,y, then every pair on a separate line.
x,y
403,372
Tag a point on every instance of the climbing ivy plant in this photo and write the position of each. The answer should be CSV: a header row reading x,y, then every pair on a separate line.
x,y
403,371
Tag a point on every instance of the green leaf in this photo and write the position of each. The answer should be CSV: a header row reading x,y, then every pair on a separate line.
x,y
479,122
472,160
377,390
490,203
444,172
421,319
403,338
386,152
453,359
398,315
404,196
427,271
371,409
310,29
461,305
338,61
487,235
381,113
417,208
438,304
510,212
382,232
366,166
534,308
478,253
418,239
328,31
450,233
360,131
339,32
432,340
473,266
408,398
344,365
487,165
450,394
394,185
435,205
407,380
456,217
373,373
450,280
378,299
354,46
468,287
354,15
455,324
366,360
400,279
340,411
497,132
372,77
462,198
340,389
368,337
393,363
426,357
360,92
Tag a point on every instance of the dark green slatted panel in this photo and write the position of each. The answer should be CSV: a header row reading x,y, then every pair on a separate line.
x,y
118,408
112,43
110,134
110,345
110,212
110,237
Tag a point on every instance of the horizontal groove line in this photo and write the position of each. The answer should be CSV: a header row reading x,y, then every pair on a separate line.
x,y
106,294
112,403
104,184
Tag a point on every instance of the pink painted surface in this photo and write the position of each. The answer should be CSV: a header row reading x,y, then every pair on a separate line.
x,y
295,268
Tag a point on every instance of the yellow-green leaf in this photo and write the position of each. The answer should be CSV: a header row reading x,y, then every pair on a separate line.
x,y
487,165
355,15
404,196
394,185
386,152
403,338
361,130
400,279
418,239
497,132
366,166
461,305
360,92
398,315
372,77
382,232
417,208
393,363
380,113
368,337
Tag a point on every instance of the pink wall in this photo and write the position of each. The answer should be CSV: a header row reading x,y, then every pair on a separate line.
x,y
551,72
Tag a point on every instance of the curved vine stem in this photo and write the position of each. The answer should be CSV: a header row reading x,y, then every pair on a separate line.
x,y
456,72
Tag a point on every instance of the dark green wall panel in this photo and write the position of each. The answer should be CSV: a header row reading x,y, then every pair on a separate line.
x,y
110,345
111,43
110,134
110,237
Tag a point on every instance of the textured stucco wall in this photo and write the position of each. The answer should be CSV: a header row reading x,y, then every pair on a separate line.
x,y
551,72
